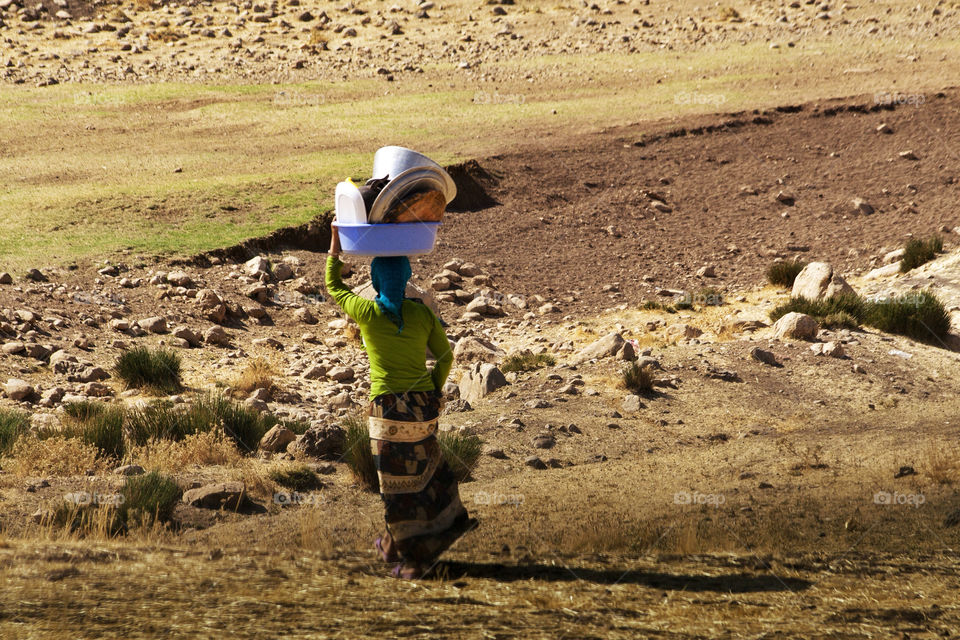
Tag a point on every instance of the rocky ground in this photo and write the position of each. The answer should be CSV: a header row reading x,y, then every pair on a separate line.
x,y
59,41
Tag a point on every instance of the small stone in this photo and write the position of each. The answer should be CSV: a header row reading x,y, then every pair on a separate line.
x,y
217,336
908,155
341,374
276,439
544,441
861,206
766,357
795,325
535,462
631,403
129,470
221,495
153,324
884,128
707,272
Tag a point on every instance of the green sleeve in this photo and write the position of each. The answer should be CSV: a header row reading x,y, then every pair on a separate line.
x,y
440,348
351,303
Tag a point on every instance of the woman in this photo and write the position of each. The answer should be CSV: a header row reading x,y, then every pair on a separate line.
x,y
424,515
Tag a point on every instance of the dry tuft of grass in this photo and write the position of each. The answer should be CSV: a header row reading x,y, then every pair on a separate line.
x,y
918,252
527,361
201,449
942,465
783,273
634,377
56,456
257,374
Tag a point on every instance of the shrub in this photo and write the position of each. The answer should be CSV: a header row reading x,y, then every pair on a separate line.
x,y
918,252
301,478
783,273
13,424
257,374
55,456
461,452
919,315
158,370
203,449
637,378
357,453
86,519
104,430
244,425
299,427
148,498
164,421
527,361
83,410
840,320
851,304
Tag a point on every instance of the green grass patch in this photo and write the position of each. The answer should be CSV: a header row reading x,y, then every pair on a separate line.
x,y
919,315
13,424
461,452
783,273
851,305
357,453
101,426
157,370
918,252
527,361
301,478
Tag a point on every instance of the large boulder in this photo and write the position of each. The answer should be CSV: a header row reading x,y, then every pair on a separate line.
x,y
795,325
277,439
17,389
818,281
479,380
608,345
321,441
220,495
472,349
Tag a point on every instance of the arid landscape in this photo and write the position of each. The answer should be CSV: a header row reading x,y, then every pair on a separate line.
x,y
702,281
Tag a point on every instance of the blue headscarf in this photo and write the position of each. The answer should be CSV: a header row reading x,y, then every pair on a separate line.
x,y
389,276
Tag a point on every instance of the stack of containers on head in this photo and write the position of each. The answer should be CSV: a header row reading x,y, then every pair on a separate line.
x,y
398,211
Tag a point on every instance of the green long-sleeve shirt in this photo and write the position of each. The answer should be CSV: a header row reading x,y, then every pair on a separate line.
x,y
397,361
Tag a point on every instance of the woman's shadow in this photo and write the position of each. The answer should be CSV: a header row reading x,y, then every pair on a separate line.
x,y
731,583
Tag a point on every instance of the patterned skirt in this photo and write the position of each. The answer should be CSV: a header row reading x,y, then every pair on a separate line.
x,y
424,514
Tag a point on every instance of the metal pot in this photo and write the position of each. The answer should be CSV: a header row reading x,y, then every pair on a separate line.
x,y
390,162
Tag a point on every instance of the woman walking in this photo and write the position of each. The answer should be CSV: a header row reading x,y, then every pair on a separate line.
x,y
424,515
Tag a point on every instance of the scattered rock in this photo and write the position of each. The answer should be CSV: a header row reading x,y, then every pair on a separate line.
x,y
129,470
180,279
795,325
220,495
276,439
341,374
535,462
217,336
153,324
608,345
861,206
472,349
818,281
17,389
766,357
322,441
631,403
480,380
544,441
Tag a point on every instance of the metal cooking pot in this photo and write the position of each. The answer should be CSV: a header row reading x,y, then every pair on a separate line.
x,y
390,162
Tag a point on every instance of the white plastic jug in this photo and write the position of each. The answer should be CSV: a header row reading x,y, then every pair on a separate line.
x,y
349,204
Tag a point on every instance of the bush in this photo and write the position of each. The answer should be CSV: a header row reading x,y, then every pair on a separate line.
x,y
13,424
784,272
919,315
83,410
299,427
461,452
527,361
104,430
202,449
637,378
918,252
244,425
148,498
164,421
852,305
357,453
158,370
257,374
840,320
301,478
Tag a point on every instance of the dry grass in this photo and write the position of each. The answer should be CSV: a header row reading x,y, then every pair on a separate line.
x,y
942,464
202,449
258,373
56,456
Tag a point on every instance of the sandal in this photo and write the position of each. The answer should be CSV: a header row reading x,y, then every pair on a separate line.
x,y
386,550
408,571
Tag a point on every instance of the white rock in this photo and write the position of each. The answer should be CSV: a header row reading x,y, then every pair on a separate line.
x,y
795,325
818,281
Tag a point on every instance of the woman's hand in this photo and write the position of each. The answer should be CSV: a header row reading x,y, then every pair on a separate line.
x,y
334,242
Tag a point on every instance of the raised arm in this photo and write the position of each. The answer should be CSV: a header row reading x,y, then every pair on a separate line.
x,y
350,302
